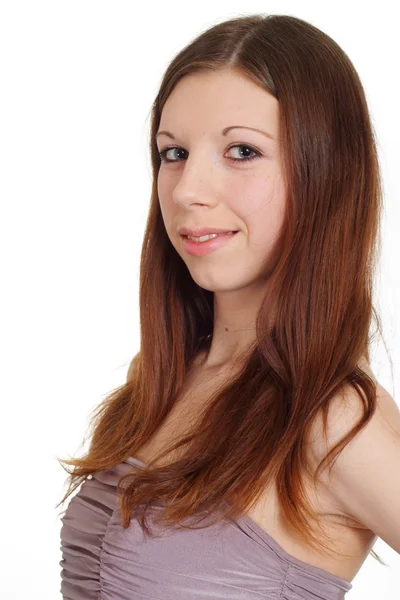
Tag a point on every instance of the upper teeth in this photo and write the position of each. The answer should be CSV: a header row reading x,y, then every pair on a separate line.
x,y
204,238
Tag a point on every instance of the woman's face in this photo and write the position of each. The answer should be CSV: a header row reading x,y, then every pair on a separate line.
x,y
204,187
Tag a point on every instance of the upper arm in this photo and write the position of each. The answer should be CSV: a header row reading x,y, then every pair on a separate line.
x,y
365,478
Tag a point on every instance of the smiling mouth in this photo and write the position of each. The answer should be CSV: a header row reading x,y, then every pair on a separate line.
x,y
209,236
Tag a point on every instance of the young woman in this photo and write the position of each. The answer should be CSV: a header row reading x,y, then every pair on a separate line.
x,y
205,475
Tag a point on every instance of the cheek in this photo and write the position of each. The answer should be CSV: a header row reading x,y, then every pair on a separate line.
x,y
166,203
261,207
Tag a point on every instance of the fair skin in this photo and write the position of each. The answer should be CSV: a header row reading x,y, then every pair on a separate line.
x,y
203,187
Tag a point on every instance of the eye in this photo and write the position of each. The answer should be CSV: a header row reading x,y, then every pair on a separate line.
x,y
253,153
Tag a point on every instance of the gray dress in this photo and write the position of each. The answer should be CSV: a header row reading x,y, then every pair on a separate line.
x,y
228,561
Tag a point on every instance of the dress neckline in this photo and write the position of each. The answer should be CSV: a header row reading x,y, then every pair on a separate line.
x,y
272,543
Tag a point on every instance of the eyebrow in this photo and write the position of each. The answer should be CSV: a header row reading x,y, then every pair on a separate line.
x,y
224,131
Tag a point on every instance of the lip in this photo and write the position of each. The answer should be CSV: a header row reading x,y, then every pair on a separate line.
x,y
201,248
202,231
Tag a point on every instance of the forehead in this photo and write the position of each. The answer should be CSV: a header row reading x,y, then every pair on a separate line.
x,y
212,100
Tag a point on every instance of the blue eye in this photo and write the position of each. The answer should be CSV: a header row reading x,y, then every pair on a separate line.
x,y
255,153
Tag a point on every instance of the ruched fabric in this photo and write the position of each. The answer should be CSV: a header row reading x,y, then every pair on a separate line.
x,y
228,561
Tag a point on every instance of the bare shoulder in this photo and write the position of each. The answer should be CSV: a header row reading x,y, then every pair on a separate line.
x,y
346,410
132,368
364,482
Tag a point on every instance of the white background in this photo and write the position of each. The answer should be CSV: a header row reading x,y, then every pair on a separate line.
x,y
77,82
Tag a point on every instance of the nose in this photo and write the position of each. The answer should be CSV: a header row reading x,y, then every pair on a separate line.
x,y
196,183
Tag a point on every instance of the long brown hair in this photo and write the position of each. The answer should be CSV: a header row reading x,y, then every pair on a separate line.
x,y
255,428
